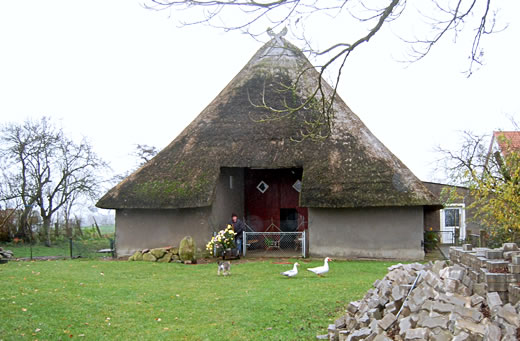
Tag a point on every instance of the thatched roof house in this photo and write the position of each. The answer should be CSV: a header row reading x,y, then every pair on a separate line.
x,y
349,181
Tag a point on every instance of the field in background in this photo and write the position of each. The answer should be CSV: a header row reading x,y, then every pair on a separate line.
x,y
85,246
104,229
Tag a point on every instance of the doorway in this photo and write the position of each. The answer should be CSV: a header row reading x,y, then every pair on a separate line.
x,y
453,223
272,199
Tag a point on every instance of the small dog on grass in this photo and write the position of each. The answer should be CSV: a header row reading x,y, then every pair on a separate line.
x,y
224,267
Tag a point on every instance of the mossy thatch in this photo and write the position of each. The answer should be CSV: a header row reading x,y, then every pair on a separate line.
x,y
351,168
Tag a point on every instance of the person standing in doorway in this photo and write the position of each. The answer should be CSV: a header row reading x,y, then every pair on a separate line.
x,y
238,227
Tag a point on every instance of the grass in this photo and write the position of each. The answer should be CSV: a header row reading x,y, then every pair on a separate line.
x,y
104,229
84,248
93,299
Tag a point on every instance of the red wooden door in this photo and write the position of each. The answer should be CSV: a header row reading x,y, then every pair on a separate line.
x,y
267,191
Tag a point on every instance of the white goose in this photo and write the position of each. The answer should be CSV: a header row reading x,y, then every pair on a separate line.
x,y
293,272
320,270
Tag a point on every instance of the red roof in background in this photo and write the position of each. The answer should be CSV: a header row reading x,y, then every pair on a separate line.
x,y
507,140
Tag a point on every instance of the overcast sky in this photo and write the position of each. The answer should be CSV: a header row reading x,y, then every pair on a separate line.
x,y
122,75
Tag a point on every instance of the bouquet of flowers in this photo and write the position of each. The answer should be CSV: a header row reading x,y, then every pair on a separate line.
x,y
224,239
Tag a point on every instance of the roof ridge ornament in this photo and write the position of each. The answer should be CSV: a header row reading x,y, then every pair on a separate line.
x,y
277,36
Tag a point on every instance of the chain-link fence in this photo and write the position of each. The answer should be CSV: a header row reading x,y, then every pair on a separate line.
x,y
275,244
61,249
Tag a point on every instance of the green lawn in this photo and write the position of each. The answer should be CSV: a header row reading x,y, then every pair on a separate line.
x,y
94,299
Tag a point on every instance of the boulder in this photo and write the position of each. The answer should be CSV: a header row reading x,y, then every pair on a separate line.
x,y
187,249
158,253
148,257
132,257
166,258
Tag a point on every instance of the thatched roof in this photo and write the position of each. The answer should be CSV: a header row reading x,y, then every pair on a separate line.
x,y
351,168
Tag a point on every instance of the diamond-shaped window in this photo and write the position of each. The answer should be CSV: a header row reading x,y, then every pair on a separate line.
x,y
262,187
297,186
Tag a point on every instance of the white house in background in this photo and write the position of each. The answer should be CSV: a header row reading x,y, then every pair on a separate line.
x,y
452,217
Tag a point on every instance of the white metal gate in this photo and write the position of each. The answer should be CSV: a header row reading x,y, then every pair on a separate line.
x,y
274,244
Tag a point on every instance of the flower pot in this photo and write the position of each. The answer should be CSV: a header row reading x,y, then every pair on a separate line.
x,y
226,253
230,254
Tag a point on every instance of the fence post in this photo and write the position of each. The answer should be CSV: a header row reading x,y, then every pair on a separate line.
x,y
304,242
112,247
214,246
244,244
30,243
70,246
483,241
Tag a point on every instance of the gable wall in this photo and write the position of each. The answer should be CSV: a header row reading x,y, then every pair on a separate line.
x,y
377,232
138,229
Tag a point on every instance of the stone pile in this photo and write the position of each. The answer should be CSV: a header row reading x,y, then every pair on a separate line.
x,y
185,253
5,255
491,270
163,255
427,302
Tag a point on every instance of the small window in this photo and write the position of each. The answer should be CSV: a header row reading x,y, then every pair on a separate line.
x,y
231,182
262,187
451,217
297,186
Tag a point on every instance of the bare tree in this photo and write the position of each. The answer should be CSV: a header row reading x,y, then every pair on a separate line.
x,y
465,165
493,176
9,210
438,19
46,169
144,153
